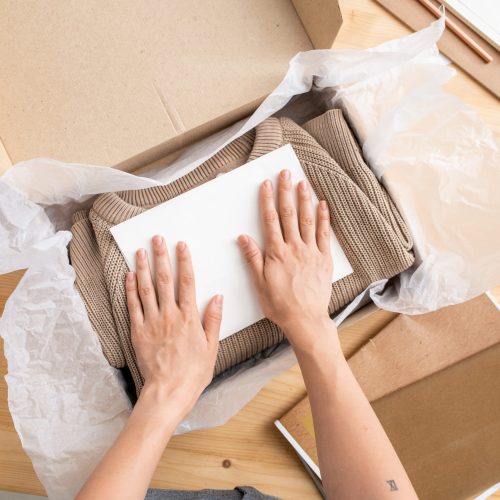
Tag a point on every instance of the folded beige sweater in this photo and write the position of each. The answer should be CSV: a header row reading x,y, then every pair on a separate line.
x,y
365,220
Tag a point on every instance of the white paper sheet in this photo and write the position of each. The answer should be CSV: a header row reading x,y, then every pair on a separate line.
x,y
209,218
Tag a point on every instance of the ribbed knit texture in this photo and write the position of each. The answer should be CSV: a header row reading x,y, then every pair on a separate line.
x,y
365,220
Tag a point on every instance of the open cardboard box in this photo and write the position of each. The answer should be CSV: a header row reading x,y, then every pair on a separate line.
x,y
169,77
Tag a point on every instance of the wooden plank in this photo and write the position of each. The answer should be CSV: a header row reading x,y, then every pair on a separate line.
x,y
16,470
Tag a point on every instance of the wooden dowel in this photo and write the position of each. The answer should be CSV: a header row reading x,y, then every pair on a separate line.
x,y
485,56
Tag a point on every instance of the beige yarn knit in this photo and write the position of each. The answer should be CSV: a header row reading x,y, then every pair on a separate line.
x,y
365,220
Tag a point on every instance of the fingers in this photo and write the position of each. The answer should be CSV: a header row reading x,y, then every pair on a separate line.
x,y
212,320
163,271
252,255
269,215
185,273
323,228
306,213
286,206
133,301
145,283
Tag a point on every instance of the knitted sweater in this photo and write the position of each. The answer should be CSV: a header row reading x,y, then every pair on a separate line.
x,y
364,218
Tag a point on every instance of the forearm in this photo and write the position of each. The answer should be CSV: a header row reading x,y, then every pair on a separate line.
x,y
356,457
126,470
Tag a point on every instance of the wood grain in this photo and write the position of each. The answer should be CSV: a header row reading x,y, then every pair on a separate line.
x,y
257,453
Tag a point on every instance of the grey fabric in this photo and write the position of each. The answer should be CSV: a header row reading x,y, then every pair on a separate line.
x,y
239,493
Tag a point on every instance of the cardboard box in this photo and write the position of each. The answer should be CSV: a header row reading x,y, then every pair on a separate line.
x,y
171,72
157,89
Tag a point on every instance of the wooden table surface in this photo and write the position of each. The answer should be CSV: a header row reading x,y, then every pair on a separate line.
x,y
248,443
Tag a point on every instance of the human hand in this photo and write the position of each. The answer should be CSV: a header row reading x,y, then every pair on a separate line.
x,y
293,277
175,351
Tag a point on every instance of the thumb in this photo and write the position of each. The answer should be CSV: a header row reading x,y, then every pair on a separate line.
x,y
212,319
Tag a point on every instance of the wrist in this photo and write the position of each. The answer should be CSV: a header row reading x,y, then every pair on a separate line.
x,y
160,401
314,337
299,325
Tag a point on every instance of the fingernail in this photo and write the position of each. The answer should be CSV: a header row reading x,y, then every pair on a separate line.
x,y
323,205
157,240
267,184
181,246
141,253
130,276
218,300
303,185
285,174
242,240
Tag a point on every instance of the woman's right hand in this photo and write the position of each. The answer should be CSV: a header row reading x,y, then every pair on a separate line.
x,y
293,279
293,275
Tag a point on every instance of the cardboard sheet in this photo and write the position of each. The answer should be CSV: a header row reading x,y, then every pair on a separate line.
x,y
445,428
410,348
209,218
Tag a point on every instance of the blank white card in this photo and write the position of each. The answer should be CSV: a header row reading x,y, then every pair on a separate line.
x,y
209,219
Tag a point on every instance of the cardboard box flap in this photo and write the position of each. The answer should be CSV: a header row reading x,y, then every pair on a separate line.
x,y
101,83
410,348
445,428
321,19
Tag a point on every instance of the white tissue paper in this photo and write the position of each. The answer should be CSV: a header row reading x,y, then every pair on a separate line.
x,y
437,159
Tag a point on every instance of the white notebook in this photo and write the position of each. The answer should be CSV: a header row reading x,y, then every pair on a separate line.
x,y
209,219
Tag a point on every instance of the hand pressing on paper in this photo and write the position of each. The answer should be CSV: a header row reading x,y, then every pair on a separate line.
x,y
175,350
293,276
176,354
293,280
